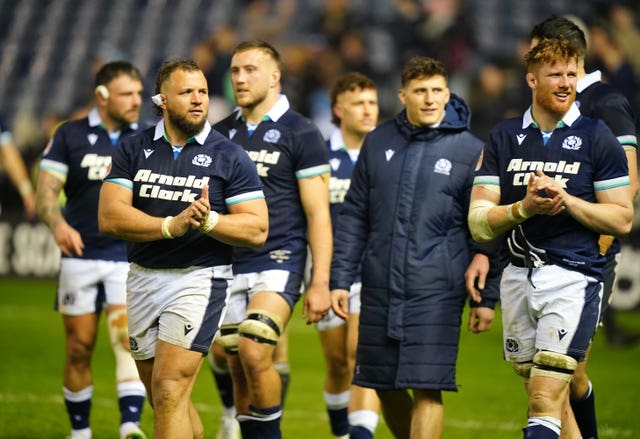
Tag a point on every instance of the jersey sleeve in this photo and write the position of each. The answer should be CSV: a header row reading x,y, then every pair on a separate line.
x,y
244,184
616,112
610,162
120,170
487,172
311,152
54,156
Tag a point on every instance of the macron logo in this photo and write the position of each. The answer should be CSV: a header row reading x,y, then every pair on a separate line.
x,y
520,138
389,153
147,152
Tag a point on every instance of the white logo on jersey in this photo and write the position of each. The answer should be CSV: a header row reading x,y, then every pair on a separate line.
x,y
232,133
156,190
280,255
338,188
335,163
93,138
523,168
202,160
572,142
389,153
271,136
96,165
520,138
442,166
264,156
148,152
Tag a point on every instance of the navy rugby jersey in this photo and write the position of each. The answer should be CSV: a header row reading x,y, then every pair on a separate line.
x,y
601,101
582,154
342,161
285,147
80,153
163,185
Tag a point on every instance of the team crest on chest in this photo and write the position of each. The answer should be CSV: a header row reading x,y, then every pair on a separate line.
x,y
202,160
272,136
442,166
572,142
93,138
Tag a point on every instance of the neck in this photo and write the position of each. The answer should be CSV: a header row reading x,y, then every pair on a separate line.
x,y
352,140
257,113
174,135
546,120
109,123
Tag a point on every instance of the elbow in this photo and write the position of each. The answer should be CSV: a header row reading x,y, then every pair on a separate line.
x,y
259,238
624,230
107,227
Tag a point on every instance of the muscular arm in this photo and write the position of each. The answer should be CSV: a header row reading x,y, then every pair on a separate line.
x,y
632,162
246,225
47,191
14,165
314,193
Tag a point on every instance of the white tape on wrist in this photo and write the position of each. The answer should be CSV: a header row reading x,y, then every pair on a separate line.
x,y
166,234
211,222
25,188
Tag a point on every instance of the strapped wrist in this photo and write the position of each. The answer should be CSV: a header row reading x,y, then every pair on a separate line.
x,y
210,223
166,223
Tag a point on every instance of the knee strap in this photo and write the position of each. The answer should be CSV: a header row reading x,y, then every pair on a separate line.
x,y
229,338
523,369
261,326
553,365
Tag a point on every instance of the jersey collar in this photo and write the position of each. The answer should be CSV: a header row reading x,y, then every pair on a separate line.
x,y
336,141
588,79
95,120
199,138
567,120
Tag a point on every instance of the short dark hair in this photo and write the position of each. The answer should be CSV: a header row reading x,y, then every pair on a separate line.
x,y
351,81
561,27
422,67
550,50
260,45
111,70
170,66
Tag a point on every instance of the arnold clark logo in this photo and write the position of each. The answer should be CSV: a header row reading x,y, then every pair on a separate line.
x,y
153,183
523,168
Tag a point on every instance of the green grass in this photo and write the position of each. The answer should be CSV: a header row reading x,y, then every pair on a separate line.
x,y
490,404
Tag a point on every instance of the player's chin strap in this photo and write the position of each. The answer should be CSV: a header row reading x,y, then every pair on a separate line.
x,y
524,254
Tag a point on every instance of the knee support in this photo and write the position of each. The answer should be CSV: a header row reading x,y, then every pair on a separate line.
x,y
553,365
119,336
523,369
228,338
261,326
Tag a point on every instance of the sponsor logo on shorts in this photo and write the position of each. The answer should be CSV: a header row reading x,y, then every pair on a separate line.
x,y
561,333
69,299
188,328
511,345
133,344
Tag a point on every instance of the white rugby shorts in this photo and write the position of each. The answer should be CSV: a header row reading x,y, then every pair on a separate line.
x,y
86,285
182,307
245,285
331,320
560,314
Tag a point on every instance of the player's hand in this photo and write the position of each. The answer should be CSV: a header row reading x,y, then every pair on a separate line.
x,y
193,216
29,203
316,304
68,239
480,319
340,303
545,196
476,276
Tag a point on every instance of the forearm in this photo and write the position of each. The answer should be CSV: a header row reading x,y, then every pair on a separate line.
x,y
15,167
241,229
47,205
602,218
321,244
120,220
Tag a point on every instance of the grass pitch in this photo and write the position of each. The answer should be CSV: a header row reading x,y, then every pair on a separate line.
x,y
491,402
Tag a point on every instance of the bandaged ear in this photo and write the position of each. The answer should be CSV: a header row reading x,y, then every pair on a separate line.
x,y
157,99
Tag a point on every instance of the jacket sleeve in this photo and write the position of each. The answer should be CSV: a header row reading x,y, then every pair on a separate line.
x,y
352,228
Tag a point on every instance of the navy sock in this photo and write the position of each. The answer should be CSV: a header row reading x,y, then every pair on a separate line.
x,y
130,408
225,387
537,431
339,420
78,407
261,423
359,432
584,410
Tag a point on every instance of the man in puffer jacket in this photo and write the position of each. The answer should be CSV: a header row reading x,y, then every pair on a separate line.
x,y
404,217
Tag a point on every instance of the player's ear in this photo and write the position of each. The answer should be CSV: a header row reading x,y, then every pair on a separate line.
x,y
531,80
102,91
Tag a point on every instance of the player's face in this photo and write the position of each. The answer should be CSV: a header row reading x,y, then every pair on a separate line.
x,y
554,86
254,74
358,110
187,101
425,99
125,99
